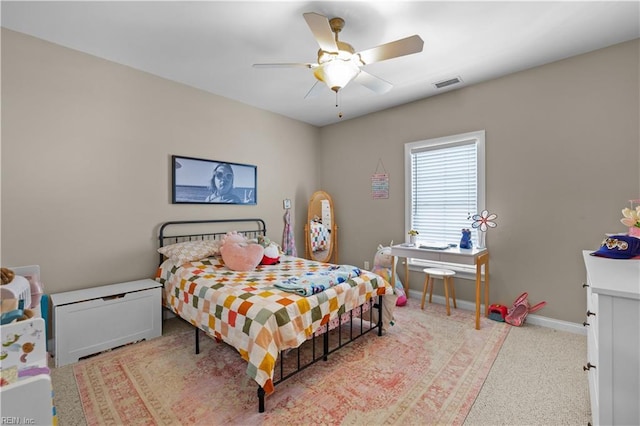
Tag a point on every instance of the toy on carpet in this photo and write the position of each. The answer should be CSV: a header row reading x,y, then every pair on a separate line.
x,y
497,312
239,254
271,251
382,266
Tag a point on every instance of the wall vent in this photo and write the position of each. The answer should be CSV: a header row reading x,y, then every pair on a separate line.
x,y
445,83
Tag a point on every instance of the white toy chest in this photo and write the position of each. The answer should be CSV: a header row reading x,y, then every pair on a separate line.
x,y
89,321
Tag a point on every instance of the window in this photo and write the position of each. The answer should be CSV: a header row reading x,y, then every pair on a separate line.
x,y
444,184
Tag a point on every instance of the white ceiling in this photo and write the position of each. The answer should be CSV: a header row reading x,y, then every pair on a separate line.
x,y
212,45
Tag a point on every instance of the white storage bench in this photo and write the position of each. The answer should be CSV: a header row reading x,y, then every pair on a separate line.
x,y
89,321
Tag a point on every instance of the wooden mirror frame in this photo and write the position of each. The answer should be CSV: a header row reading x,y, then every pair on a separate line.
x,y
315,211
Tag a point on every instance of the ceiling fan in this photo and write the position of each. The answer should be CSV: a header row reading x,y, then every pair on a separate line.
x,y
338,62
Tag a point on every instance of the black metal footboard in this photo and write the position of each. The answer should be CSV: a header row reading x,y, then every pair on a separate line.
x,y
293,361
350,326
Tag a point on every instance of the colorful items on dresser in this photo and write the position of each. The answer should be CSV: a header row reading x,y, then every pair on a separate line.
x,y
632,218
619,247
623,246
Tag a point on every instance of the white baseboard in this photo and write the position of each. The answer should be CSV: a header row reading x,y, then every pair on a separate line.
x,y
531,318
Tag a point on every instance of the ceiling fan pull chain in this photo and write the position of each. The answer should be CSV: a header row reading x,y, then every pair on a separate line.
x,y
338,104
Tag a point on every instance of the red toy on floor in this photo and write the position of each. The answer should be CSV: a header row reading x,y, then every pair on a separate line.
x,y
497,312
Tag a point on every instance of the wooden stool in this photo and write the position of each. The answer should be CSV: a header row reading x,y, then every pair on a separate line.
x,y
447,277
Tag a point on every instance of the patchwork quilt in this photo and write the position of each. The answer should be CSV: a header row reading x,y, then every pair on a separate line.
x,y
247,310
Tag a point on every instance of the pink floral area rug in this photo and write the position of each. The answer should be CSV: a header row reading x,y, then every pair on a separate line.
x,y
427,369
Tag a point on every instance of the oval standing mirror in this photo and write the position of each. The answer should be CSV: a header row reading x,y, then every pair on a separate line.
x,y
321,230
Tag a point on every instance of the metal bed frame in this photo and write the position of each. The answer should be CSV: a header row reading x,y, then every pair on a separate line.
x,y
332,338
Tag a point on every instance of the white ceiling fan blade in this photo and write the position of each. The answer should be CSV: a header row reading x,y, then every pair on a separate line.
x,y
317,88
372,82
284,65
321,30
402,47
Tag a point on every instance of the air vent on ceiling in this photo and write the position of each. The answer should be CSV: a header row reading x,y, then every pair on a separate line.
x,y
445,83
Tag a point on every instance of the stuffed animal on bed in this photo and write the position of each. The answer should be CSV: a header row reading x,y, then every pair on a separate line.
x,y
382,267
271,251
239,254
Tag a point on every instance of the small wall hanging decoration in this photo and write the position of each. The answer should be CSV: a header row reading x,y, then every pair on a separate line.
x,y
198,181
380,183
288,240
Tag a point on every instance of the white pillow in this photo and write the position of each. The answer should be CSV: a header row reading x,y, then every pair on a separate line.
x,y
190,251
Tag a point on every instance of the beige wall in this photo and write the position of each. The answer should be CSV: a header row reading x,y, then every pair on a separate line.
x,y
562,149
87,145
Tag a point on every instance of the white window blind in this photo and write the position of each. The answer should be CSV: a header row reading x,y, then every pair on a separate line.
x,y
445,186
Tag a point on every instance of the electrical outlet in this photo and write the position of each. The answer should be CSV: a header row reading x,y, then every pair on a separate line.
x,y
366,265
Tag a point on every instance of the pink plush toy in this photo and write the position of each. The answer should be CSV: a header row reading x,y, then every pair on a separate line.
x,y
239,254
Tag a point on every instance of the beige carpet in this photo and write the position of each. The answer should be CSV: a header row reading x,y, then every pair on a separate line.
x,y
428,369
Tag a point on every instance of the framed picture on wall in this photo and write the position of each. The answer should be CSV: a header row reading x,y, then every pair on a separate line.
x,y
199,181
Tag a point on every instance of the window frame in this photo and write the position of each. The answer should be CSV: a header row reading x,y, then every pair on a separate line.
x,y
479,138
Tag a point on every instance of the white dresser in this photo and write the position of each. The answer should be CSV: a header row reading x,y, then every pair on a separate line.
x,y
613,343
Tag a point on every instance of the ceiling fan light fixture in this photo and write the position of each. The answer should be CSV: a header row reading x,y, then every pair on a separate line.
x,y
337,73
338,62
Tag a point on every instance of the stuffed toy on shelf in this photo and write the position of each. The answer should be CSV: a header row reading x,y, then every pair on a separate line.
x,y
12,309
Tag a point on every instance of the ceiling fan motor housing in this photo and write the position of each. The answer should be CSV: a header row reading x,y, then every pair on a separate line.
x,y
337,69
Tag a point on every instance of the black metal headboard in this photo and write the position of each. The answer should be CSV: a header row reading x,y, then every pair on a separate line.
x,y
195,230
